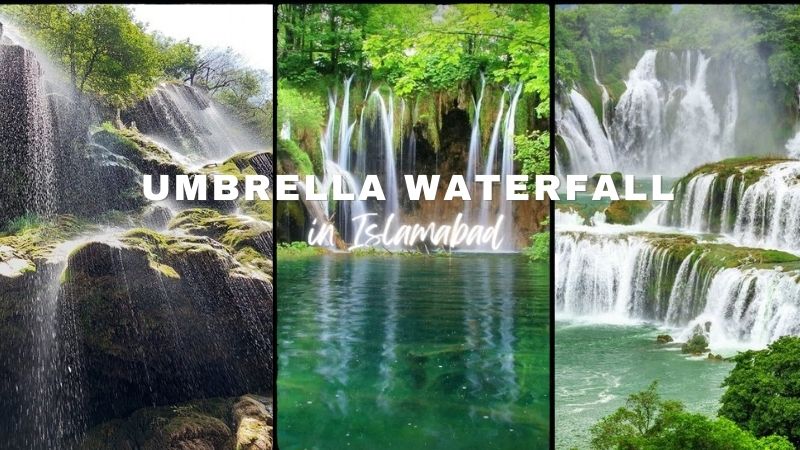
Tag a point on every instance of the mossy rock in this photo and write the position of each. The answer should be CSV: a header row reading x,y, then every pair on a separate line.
x,y
663,339
627,212
162,319
238,233
145,154
697,345
616,177
243,423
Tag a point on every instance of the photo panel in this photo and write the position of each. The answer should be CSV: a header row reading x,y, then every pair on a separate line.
x,y
413,287
136,249
676,271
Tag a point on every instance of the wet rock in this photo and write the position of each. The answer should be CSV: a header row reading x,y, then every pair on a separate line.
x,y
243,423
236,231
663,339
156,217
252,417
627,212
165,319
26,137
697,345
713,357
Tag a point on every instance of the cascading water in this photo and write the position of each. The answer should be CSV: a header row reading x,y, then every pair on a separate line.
x,y
390,173
507,169
658,123
764,213
26,165
392,147
185,120
621,278
475,136
590,150
490,157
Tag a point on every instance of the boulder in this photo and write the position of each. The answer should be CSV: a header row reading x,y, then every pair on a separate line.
x,y
663,339
243,423
165,319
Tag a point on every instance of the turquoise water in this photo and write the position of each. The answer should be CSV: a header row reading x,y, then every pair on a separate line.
x,y
598,366
413,353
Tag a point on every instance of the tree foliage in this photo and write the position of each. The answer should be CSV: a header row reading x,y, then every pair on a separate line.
x,y
109,55
104,51
763,390
648,422
418,49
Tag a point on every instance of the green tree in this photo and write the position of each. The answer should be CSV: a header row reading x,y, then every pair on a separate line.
x,y
647,422
763,390
103,50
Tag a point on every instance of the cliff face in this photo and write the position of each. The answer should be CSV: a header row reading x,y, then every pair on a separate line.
x,y
26,136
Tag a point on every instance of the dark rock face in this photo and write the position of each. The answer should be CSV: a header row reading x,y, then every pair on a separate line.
x,y
158,330
26,137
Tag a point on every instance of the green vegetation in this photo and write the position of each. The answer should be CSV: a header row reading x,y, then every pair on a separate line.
x,y
627,212
417,49
298,249
697,345
762,390
539,250
428,55
533,151
648,422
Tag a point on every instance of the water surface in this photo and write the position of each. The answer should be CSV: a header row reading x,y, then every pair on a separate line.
x,y
413,352
598,366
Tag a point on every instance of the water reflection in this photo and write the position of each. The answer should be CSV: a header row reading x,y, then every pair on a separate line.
x,y
411,352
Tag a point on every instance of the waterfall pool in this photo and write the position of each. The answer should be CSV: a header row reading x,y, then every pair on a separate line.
x,y
413,352
598,366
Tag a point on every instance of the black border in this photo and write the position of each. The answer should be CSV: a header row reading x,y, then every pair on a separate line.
x,y
552,228
275,282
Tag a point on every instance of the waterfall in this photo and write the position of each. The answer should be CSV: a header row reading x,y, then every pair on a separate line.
x,y
474,148
188,122
626,277
27,165
605,98
590,150
639,110
475,136
508,169
345,128
664,115
390,173
768,212
490,157
764,213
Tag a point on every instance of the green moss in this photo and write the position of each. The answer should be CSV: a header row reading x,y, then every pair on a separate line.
x,y
731,166
291,154
145,154
627,212
697,345
35,239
